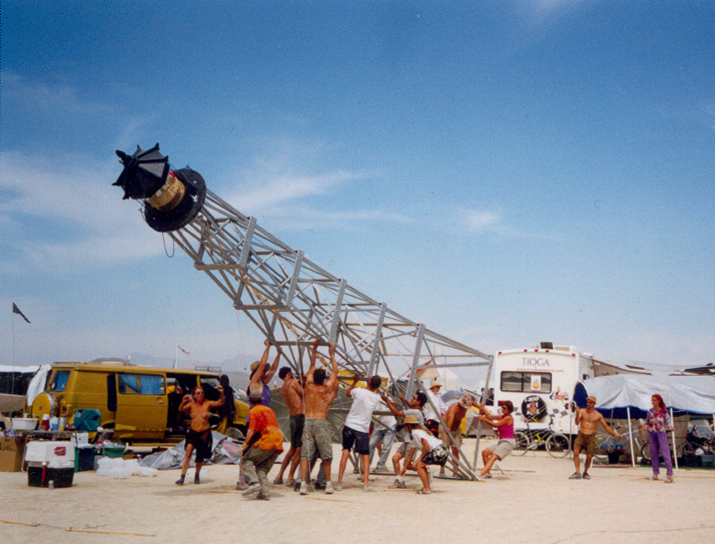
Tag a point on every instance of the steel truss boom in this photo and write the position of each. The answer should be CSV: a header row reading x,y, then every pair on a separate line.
x,y
292,301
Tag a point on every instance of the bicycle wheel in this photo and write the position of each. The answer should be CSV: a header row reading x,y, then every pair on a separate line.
x,y
645,452
558,445
688,450
521,443
601,452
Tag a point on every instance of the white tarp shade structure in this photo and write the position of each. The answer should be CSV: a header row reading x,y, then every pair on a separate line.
x,y
693,394
629,396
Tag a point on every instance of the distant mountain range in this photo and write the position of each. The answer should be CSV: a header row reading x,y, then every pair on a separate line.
x,y
236,368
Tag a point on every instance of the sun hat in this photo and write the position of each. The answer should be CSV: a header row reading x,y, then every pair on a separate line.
x,y
465,401
591,398
410,420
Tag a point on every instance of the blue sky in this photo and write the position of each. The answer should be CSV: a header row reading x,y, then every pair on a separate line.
x,y
504,172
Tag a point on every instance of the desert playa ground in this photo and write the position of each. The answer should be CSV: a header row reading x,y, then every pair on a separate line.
x,y
532,500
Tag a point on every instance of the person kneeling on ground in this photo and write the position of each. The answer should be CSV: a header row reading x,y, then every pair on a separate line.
x,y
504,424
432,451
263,445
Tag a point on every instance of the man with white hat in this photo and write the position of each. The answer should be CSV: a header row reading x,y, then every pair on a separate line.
x,y
434,408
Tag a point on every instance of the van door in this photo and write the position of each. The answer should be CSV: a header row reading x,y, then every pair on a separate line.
x,y
141,406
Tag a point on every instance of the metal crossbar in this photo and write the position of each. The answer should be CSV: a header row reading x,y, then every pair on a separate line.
x,y
291,300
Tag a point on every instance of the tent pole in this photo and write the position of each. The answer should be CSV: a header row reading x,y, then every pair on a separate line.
x,y
630,437
672,435
485,394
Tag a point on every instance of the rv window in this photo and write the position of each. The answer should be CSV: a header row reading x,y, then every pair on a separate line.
x,y
511,381
59,381
526,382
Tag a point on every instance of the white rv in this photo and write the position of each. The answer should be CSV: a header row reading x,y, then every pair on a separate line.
x,y
540,382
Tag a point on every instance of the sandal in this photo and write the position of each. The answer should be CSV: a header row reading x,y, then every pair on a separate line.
x,y
423,492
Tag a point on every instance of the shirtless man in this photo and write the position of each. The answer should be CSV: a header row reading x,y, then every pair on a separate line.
x,y
198,436
588,418
318,393
292,393
453,418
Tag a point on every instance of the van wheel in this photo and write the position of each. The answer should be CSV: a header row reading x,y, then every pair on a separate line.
x,y
236,434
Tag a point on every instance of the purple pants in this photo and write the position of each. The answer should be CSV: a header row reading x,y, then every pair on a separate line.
x,y
658,443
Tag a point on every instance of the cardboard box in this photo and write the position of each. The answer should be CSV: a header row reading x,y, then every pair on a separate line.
x,y
10,461
12,443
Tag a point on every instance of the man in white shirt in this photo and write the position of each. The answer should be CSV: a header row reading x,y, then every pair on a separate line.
x,y
356,430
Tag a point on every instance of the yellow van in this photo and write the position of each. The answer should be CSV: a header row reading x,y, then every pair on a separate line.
x,y
140,403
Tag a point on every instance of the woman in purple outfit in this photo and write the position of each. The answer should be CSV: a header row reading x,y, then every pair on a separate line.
x,y
659,421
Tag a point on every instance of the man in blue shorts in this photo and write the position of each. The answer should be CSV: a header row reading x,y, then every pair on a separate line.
x,y
356,430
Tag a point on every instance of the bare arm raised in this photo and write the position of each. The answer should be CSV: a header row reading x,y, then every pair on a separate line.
x,y
332,382
349,392
268,374
257,377
219,402
311,368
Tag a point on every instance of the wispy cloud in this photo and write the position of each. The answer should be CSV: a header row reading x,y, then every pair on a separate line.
x,y
81,217
493,222
287,188
546,11
55,97
289,185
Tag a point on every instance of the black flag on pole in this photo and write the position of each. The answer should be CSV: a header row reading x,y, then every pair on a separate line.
x,y
16,310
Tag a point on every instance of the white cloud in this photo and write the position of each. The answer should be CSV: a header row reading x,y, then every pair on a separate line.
x,y
283,188
50,97
493,222
480,221
66,214
291,188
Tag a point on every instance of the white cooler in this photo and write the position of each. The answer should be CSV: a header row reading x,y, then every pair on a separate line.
x,y
50,454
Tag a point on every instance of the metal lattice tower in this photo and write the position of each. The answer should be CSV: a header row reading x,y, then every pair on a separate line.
x,y
292,300
289,298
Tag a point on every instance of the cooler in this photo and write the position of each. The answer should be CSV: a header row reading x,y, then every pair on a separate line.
x,y
51,453
50,461
41,476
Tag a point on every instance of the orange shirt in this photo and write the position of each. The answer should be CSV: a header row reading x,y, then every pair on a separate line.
x,y
263,420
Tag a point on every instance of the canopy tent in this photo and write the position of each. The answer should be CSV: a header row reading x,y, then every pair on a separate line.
x,y
615,394
624,396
